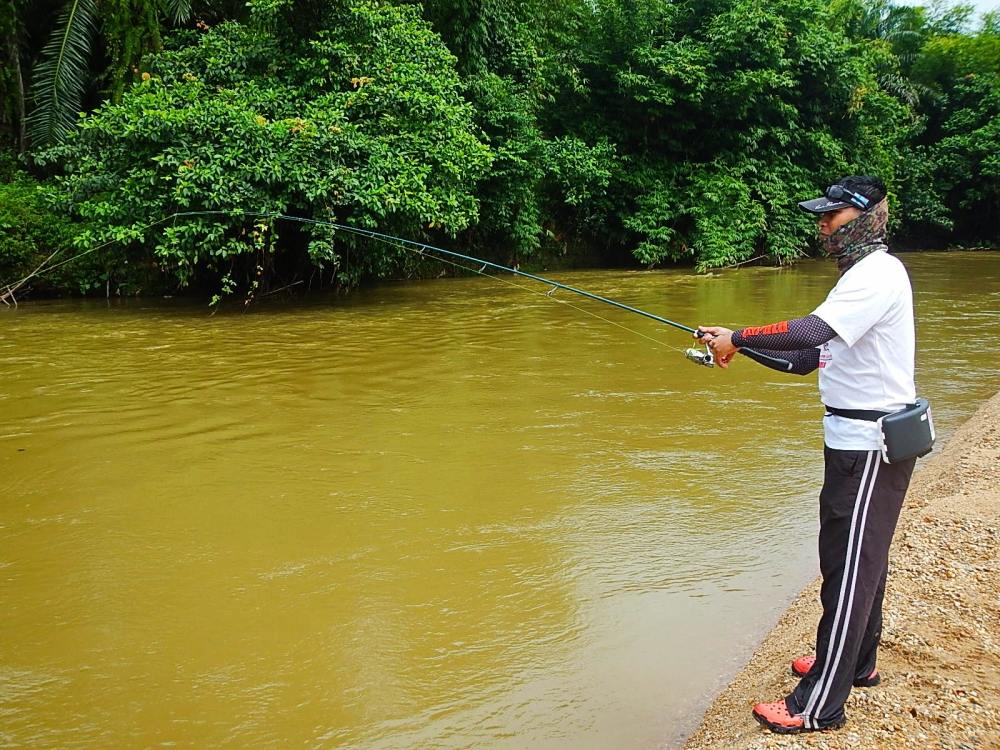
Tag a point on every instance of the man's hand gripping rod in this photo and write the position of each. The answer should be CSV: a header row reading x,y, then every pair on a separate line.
x,y
707,359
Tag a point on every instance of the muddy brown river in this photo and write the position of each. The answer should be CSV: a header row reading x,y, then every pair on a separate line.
x,y
444,514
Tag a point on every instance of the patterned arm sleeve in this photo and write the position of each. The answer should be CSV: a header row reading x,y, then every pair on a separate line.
x,y
786,336
804,361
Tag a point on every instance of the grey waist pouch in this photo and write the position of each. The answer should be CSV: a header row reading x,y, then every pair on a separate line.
x,y
908,433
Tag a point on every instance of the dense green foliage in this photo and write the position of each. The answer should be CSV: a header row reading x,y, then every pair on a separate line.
x,y
723,119
362,124
668,131
954,181
31,232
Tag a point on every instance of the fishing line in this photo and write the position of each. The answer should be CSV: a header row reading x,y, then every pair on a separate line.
x,y
423,248
39,271
548,294
394,242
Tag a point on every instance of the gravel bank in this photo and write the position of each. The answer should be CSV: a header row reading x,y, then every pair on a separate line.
x,y
940,654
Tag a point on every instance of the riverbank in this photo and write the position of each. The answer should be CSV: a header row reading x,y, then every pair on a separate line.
x,y
940,655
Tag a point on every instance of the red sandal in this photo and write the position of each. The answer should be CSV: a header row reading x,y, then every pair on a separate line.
x,y
775,716
802,665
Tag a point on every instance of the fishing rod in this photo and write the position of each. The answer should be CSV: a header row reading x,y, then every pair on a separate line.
x,y
705,358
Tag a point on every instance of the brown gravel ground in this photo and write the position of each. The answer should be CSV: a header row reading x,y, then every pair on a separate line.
x,y
940,654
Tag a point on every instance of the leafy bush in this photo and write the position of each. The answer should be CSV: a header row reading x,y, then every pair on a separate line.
x,y
723,117
361,123
967,161
31,232
577,177
510,215
663,130
952,185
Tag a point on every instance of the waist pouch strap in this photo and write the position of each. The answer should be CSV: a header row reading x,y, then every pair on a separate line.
x,y
867,415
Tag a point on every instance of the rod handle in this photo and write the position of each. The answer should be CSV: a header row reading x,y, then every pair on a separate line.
x,y
783,363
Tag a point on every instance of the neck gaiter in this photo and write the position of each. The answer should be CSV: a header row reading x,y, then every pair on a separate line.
x,y
858,238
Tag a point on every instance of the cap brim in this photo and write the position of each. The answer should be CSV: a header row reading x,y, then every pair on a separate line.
x,y
822,205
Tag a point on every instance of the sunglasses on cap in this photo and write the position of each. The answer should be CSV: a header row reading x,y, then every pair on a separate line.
x,y
842,194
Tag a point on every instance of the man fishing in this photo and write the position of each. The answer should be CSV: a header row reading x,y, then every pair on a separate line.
x,y
861,340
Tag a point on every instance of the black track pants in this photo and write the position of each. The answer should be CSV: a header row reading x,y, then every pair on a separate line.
x,y
858,509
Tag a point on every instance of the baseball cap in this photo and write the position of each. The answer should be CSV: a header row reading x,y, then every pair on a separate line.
x,y
859,191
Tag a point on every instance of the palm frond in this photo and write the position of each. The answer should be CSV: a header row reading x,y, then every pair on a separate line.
x,y
178,10
907,91
61,74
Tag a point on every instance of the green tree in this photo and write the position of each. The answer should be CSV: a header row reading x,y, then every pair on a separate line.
x,y
62,74
12,92
723,113
949,191
359,121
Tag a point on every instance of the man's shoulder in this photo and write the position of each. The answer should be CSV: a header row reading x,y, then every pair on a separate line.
x,y
879,268
885,259
881,259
